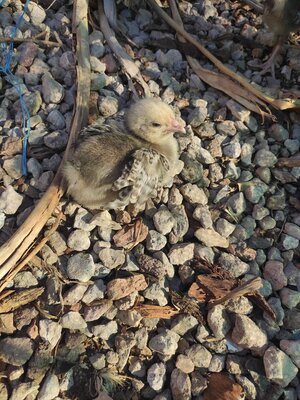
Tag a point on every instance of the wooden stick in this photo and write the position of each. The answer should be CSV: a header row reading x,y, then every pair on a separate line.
x,y
40,42
15,248
10,276
281,104
125,60
288,162
239,291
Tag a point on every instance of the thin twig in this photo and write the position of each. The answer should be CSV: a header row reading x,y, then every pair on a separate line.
x,y
10,276
15,248
125,60
40,42
288,162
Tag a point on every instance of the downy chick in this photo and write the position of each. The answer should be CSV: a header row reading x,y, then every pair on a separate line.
x,y
124,163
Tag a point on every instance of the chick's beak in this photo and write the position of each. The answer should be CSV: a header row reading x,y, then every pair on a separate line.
x,y
177,126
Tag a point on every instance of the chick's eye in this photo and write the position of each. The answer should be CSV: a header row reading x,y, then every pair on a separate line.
x,y
156,124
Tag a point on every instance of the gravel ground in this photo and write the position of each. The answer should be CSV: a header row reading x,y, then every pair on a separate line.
x,y
230,205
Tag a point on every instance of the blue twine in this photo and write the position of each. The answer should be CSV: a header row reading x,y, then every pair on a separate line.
x,y
5,69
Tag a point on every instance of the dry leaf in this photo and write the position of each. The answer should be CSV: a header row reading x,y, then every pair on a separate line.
x,y
131,235
197,292
221,387
122,287
214,287
151,311
19,299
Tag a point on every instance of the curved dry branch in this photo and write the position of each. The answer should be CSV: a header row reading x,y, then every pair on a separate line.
x,y
281,104
125,60
15,248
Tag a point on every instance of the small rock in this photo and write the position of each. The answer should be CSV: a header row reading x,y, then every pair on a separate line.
x,y
13,166
233,265
180,385
292,348
79,240
105,331
265,158
111,258
218,321
211,238
156,376
108,106
203,215
199,355
81,267
248,335
50,332
184,364
10,200
52,91
165,343
193,194
181,253
163,220
16,351
279,367
273,272
50,388
73,320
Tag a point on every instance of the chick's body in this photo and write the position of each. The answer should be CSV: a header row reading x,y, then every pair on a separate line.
x,y
127,162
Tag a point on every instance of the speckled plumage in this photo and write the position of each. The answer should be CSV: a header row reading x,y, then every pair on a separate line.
x,y
124,162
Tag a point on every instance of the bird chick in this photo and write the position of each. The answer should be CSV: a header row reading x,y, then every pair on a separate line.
x,y
281,17
126,162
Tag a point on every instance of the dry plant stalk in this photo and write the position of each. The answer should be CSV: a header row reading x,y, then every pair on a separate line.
x,y
10,276
246,288
15,248
40,42
246,92
288,162
130,68
19,299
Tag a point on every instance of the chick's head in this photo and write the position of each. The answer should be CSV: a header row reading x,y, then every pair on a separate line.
x,y
152,120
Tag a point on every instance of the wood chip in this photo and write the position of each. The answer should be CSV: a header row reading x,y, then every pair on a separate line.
x,y
131,235
151,311
122,287
19,299
214,287
221,387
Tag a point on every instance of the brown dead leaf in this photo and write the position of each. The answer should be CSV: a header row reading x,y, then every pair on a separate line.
x,y
20,299
151,311
11,146
198,293
221,387
214,287
131,235
122,287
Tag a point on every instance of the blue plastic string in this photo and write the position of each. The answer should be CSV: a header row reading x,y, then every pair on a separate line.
x,y
8,51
